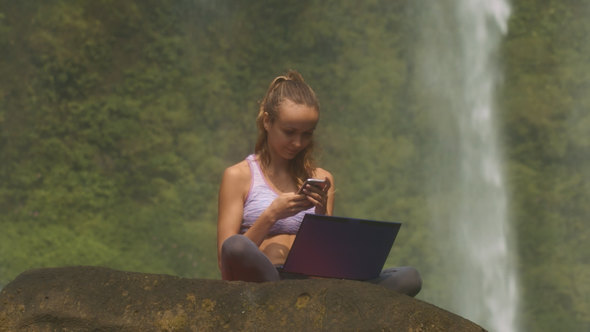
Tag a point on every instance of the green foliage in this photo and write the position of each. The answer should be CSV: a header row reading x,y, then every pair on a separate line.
x,y
545,92
117,119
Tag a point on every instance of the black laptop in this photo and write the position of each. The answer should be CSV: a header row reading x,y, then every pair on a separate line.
x,y
338,247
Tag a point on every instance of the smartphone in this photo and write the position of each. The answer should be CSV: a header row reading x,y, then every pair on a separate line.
x,y
314,182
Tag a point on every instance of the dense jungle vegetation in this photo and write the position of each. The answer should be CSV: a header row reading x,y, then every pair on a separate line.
x,y
117,119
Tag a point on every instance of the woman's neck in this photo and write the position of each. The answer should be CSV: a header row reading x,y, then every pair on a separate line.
x,y
277,168
277,172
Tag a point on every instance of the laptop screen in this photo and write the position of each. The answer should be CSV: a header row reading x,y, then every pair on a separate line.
x,y
338,247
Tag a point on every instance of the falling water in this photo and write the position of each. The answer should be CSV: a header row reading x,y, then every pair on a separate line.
x,y
458,72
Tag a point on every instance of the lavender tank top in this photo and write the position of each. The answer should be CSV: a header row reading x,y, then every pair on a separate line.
x,y
260,196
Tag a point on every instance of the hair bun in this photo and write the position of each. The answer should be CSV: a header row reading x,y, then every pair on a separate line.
x,y
293,75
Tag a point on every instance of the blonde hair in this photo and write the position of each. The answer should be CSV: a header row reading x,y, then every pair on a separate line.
x,y
290,86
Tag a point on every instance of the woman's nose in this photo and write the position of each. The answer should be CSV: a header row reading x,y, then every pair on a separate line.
x,y
298,141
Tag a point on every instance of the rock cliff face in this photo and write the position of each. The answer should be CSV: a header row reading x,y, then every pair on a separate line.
x,y
100,299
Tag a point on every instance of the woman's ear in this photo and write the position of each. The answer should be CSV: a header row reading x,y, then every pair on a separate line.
x,y
266,121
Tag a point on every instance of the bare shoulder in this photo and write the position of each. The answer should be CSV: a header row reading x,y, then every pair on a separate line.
x,y
238,173
321,173
236,179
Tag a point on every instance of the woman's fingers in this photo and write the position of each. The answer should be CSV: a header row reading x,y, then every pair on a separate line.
x,y
328,184
317,196
300,203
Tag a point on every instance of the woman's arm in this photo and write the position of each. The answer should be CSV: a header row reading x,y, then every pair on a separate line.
x,y
232,195
331,191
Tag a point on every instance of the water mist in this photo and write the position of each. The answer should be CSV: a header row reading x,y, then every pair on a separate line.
x,y
457,75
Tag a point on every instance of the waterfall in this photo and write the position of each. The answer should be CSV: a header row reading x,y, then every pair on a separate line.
x,y
457,74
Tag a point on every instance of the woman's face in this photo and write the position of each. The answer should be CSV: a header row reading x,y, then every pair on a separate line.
x,y
292,130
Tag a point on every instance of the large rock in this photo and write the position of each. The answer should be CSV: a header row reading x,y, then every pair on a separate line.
x,y
100,299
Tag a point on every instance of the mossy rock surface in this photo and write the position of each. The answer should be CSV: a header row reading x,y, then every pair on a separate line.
x,y
101,299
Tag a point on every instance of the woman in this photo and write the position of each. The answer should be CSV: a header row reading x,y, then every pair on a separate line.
x,y
259,208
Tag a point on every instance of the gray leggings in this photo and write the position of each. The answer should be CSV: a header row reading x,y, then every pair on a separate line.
x,y
242,260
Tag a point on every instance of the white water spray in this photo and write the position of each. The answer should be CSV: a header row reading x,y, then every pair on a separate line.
x,y
458,71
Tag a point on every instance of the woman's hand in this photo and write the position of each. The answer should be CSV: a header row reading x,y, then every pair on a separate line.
x,y
318,196
288,204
